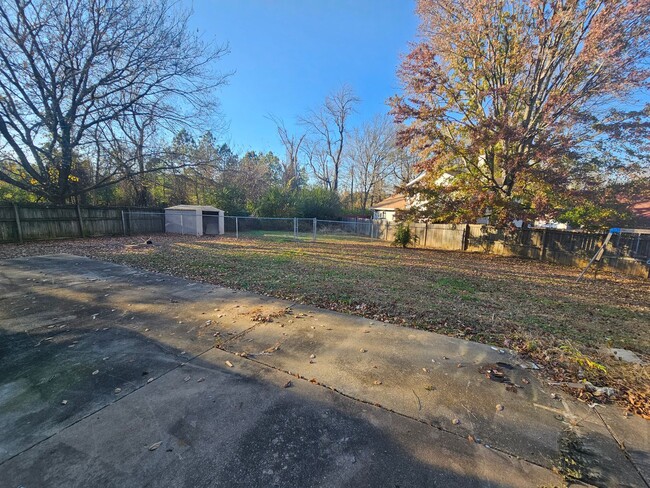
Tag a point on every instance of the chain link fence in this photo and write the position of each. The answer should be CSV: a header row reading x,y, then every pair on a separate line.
x,y
186,223
296,228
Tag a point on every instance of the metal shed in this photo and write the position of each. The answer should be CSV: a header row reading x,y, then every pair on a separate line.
x,y
194,220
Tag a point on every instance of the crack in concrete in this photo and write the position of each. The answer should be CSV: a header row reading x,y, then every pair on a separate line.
x,y
381,407
239,335
621,445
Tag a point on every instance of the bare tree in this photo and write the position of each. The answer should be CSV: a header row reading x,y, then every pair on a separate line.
x,y
329,129
372,156
291,143
73,72
318,161
403,167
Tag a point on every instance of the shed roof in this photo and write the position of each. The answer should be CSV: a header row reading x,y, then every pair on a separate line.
x,y
394,202
206,208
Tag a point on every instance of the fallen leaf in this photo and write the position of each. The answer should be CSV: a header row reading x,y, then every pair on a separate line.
x,y
155,446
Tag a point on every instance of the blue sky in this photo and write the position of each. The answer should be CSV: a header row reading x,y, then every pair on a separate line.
x,y
289,54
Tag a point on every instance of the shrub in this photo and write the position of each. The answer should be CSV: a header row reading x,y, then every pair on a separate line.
x,y
318,203
404,236
310,203
278,201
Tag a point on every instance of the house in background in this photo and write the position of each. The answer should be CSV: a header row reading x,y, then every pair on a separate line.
x,y
386,209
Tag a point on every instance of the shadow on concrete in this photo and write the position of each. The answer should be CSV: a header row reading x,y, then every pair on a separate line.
x,y
238,430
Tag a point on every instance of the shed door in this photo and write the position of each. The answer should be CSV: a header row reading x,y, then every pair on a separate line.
x,y
210,223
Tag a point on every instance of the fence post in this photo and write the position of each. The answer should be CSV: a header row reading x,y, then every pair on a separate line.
x,y
465,243
295,227
426,231
18,226
315,227
237,227
81,222
182,229
123,223
542,253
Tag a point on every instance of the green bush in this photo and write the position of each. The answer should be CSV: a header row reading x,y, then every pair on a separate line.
x,y
277,202
404,236
318,203
309,203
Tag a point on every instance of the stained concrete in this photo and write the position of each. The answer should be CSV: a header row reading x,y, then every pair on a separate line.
x,y
140,358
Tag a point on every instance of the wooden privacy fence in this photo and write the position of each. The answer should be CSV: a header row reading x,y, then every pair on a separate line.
x,y
628,253
25,222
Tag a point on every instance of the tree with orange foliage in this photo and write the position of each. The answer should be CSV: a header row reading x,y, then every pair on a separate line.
x,y
506,97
